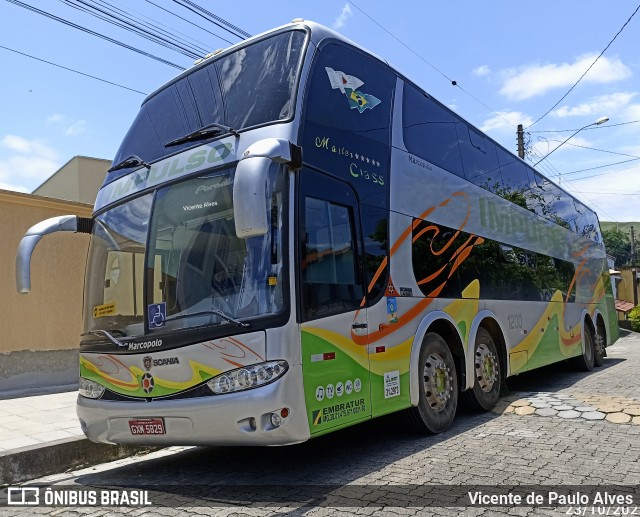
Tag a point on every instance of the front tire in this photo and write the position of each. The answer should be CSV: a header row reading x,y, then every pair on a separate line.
x,y
438,387
599,352
487,376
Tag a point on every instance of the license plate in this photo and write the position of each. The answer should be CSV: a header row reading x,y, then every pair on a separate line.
x,y
145,426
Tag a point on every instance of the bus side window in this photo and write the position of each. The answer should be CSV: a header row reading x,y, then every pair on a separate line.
x,y
429,131
479,158
329,265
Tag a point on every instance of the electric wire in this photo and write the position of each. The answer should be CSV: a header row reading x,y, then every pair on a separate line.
x,y
221,20
587,70
72,70
185,38
586,128
203,13
93,33
419,56
110,17
189,21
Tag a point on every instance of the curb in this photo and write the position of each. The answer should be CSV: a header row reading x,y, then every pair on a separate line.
x,y
58,456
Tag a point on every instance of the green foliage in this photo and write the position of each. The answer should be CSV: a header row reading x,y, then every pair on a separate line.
x,y
617,245
634,318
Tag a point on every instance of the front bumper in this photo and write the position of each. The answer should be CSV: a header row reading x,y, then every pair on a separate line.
x,y
242,418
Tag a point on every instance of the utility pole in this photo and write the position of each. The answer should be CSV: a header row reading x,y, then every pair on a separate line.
x,y
520,141
634,277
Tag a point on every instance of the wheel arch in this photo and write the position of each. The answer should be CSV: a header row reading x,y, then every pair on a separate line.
x,y
440,323
587,324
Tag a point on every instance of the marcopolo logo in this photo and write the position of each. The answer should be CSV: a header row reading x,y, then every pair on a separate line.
x,y
155,343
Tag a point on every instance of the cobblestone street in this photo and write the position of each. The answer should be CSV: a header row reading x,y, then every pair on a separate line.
x,y
556,428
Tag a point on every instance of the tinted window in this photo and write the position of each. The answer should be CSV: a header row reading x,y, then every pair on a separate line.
x,y
479,158
430,130
329,263
253,85
347,119
445,261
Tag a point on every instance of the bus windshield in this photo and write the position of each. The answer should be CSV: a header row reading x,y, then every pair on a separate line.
x,y
173,261
251,86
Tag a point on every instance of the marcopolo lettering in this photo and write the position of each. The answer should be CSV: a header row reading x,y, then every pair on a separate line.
x,y
145,344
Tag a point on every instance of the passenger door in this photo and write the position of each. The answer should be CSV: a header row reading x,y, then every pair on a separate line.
x,y
331,303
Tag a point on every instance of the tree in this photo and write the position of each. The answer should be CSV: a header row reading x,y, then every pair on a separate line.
x,y
617,245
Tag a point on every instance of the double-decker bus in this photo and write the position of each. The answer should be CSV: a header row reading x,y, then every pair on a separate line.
x,y
295,238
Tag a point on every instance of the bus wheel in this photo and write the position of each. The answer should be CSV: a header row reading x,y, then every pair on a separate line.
x,y
438,386
585,361
598,355
486,383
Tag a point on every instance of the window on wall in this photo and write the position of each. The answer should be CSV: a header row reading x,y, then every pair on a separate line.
x,y
329,269
430,130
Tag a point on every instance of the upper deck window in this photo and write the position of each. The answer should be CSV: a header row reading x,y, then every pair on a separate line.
x,y
252,86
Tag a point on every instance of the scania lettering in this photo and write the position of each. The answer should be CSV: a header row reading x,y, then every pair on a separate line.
x,y
295,237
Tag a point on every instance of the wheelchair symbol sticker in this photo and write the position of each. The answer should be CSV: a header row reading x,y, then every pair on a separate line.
x,y
157,313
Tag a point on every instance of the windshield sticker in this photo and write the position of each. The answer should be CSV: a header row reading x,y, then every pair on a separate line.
x,y
106,309
349,85
157,313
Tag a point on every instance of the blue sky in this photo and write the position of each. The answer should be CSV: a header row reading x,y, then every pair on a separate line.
x,y
512,61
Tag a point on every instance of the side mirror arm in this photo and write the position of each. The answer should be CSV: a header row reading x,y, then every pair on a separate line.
x,y
64,223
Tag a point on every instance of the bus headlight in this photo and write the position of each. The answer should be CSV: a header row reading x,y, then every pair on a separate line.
x,y
248,377
90,389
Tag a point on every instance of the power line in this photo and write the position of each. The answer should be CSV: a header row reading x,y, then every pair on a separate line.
x,y
155,36
587,128
210,17
72,70
93,33
599,150
188,21
419,56
587,70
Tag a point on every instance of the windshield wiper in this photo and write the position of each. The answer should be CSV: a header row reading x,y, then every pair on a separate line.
x,y
108,335
130,161
203,133
217,312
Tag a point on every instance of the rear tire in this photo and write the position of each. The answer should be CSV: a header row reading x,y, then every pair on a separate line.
x,y
599,352
585,361
487,376
438,385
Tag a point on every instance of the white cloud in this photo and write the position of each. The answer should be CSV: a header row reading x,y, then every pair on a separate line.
x,y
29,163
52,119
543,146
76,128
345,14
531,80
603,105
481,71
506,119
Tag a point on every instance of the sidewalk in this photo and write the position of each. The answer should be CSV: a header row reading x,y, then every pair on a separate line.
x,y
40,435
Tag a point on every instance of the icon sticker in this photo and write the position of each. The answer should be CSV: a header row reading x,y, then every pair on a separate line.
x,y
330,391
357,385
339,389
348,387
319,393
157,313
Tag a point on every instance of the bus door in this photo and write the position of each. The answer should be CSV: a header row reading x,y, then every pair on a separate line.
x,y
331,303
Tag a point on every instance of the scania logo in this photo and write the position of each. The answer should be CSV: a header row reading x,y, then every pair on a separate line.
x,y
155,343
165,361
147,363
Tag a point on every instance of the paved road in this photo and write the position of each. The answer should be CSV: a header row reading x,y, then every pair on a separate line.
x,y
590,436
